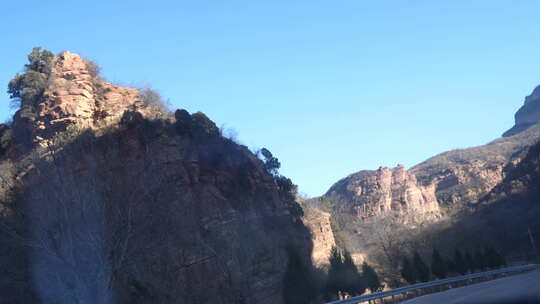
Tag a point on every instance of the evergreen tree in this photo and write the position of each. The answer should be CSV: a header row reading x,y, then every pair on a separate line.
x,y
271,163
299,284
438,265
469,261
459,262
450,266
421,268
493,259
408,272
502,259
31,84
371,278
479,260
334,282
353,280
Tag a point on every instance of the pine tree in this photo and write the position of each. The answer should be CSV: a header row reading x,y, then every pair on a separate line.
x,y
299,283
371,277
469,262
334,282
479,260
353,280
451,266
438,265
493,258
421,268
502,259
459,262
408,272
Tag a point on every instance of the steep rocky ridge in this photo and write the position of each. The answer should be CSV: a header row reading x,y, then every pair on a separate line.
x,y
322,235
528,115
112,200
465,175
372,193
508,217
444,183
75,94
382,213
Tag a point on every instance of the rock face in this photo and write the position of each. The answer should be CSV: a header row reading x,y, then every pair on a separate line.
x,y
132,206
522,180
76,95
528,114
441,185
320,227
382,213
374,193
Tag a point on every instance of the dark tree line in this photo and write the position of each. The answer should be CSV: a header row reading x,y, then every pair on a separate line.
x,y
303,284
345,278
415,270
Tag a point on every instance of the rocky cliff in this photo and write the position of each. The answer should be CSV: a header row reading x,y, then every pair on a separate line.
x,y
322,234
528,115
75,94
373,193
508,216
442,184
112,199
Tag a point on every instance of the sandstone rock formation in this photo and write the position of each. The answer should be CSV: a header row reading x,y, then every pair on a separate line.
x,y
384,212
373,193
320,227
76,95
114,201
441,185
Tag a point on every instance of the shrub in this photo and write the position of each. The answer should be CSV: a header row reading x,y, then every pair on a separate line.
x,y
93,69
151,97
203,126
183,121
6,137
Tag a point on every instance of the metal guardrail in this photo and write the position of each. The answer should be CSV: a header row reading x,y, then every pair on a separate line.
x,y
392,293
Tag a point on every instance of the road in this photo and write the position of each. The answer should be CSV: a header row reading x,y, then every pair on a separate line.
x,y
518,289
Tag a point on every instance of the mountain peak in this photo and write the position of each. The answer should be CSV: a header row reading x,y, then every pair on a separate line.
x,y
71,92
527,115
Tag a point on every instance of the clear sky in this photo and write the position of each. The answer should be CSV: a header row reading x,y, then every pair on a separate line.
x,y
330,87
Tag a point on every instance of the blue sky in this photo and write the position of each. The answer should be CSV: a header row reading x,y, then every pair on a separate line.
x,y
330,87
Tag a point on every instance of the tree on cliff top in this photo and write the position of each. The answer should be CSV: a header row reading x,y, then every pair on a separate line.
x,y
28,86
271,163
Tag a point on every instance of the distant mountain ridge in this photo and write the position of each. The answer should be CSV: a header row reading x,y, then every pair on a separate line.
x,y
379,214
448,180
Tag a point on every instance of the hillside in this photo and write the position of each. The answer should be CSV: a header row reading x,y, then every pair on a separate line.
x,y
108,197
380,214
